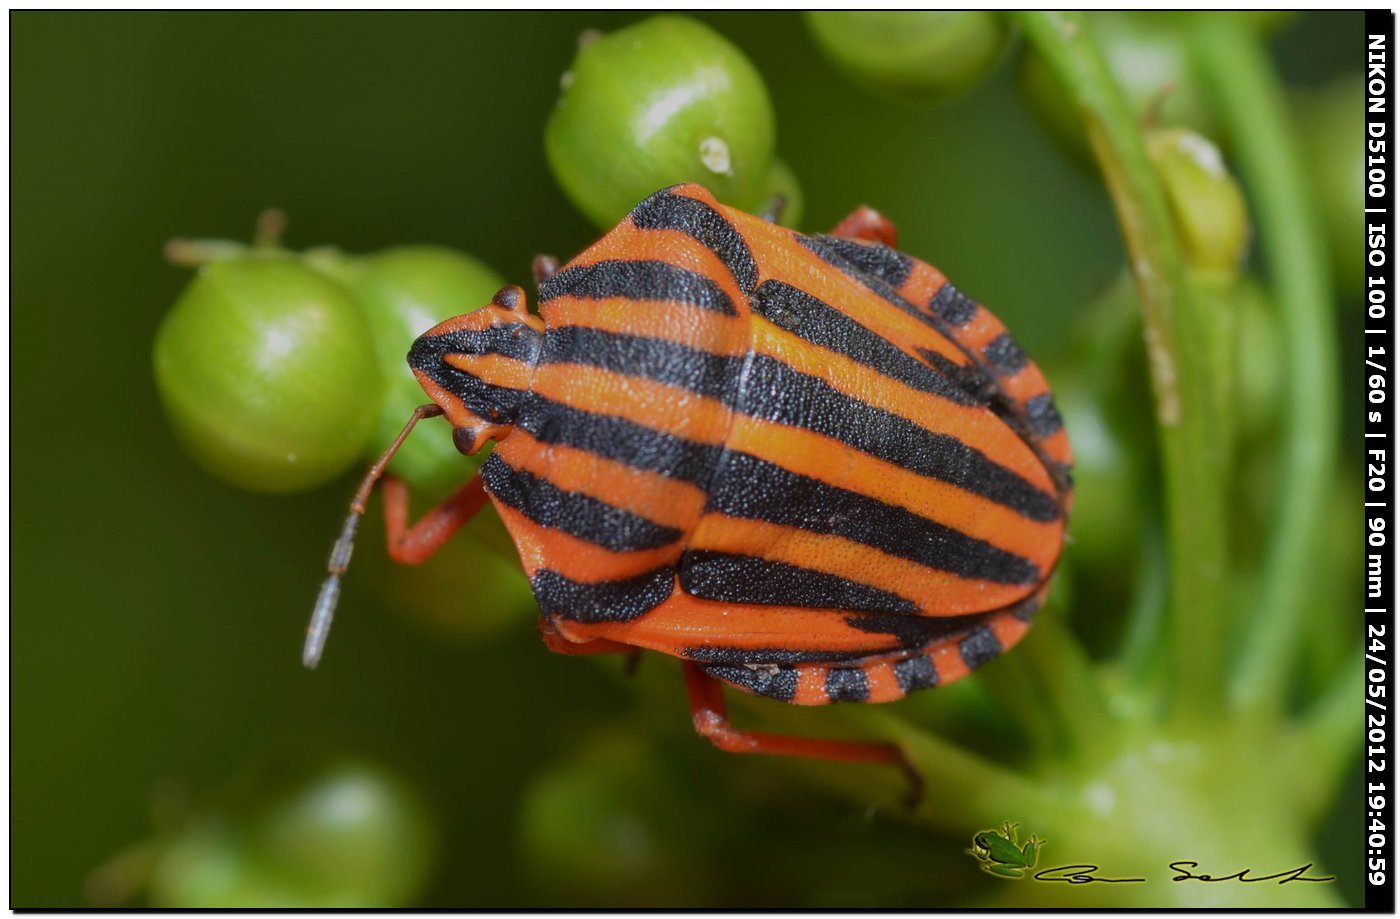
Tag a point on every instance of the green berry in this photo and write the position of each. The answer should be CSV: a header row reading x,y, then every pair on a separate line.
x,y
1207,205
268,374
310,831
349,825
921,55
664,101
403,292
614,823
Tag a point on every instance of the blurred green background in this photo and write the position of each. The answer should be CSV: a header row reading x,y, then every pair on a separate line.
x,y
157,613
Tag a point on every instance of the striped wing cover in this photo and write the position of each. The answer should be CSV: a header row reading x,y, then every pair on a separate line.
x,y
808,463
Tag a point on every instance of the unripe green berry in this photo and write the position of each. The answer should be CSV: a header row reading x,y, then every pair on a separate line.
x,y
403,292
268,374
607,824
309,831
920,55
664,101
1207,205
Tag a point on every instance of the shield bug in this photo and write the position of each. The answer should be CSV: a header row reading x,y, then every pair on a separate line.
x,y
807,466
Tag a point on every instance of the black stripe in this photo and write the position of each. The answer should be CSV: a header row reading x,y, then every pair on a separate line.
x,y
706,374
617,439
773,391
778,682
571,512
749,579
825,326
918,631
1026,611
637,280
972,378
498,404
667,211
514,340
978,648
822,247
1043,416
874,259
1005,356
602,601
844,684
953,306
738,657
750,488
915,673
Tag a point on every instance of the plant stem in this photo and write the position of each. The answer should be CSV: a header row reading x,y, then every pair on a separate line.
x,y
960,788
1175,331
1065,684
1327,739
1239,74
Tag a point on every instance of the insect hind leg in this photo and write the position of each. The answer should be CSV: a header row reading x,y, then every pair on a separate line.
x,y
711,718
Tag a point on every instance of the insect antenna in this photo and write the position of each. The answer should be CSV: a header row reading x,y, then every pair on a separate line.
x,y
324,611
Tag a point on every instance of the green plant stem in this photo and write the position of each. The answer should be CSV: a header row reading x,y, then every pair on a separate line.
x,y
1140,658
960,788
1327,740
1243,83
1071,687
1182,369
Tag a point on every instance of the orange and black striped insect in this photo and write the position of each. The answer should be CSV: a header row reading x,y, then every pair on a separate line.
x,y
807,466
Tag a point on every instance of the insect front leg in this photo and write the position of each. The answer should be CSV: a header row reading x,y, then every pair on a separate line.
x,y
413,545
712,722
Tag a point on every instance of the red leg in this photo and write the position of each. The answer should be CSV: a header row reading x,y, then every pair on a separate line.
x,y
712,722
868,224
416,544
561,645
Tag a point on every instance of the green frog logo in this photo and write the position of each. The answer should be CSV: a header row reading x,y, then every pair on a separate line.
x,y
1000,854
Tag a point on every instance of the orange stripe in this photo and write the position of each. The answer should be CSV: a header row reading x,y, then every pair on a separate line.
x,y
936,593
668,409
884,687
781,257
923,282
829,461
626,242
682,323
577,559
811,685
493,368
977,427
684,621
661,499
